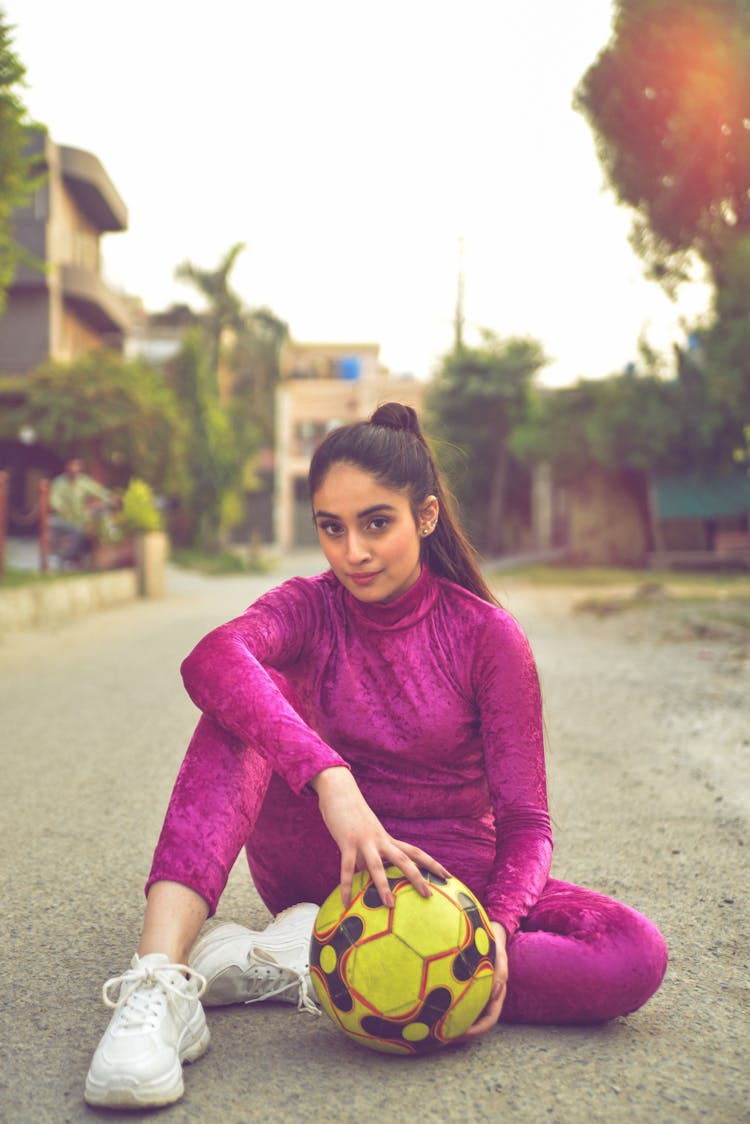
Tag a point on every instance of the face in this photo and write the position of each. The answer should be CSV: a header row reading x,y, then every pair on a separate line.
x,y
369,534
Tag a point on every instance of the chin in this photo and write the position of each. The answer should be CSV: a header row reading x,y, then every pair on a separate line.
x,y
367,594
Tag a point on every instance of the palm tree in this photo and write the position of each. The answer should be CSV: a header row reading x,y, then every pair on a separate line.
x,y
224,305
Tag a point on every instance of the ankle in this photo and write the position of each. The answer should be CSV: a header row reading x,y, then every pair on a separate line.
x,y
175,953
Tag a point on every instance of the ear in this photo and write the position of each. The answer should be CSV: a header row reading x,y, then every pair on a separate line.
x,y
428,516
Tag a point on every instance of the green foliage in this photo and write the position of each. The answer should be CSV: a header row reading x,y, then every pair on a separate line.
x,y
669,102
254,361
216,563
139,512
616,423
477,398
726,344
113,412
212,453
224,306
18,176
742,452
627,422
239,348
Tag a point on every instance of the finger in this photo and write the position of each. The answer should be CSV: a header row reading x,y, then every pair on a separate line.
x,y
489,1016
347,876
380,879
421,858
415,876
411,867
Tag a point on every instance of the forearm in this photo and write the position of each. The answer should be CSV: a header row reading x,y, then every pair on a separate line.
x,y
228,684
520,872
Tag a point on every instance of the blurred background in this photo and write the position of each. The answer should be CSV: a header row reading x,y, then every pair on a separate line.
x,y
224,232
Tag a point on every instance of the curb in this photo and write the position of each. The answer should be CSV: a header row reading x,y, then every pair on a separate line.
x,y
35,606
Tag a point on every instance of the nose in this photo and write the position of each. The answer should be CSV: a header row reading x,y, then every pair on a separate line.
x,y
356,549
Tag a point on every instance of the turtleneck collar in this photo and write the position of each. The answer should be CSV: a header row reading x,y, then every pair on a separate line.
x,y
403,611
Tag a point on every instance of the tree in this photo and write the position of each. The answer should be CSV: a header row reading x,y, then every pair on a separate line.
x,y
115,413
239,348
224,306
477,398
254,360
211,448
618,423
726,344
668,100
18,176
627,423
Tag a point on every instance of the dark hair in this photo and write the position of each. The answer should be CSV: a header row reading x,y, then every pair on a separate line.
x,y
392,448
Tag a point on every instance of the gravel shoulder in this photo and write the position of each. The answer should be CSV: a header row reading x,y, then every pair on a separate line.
x,y
648,730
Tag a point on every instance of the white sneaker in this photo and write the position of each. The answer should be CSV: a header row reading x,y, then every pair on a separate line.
x,y
243,966
158,1023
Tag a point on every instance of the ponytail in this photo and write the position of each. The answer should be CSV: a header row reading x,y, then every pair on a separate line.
x,y
393,449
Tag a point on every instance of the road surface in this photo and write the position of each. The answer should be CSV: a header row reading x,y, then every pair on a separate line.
x,y
647,736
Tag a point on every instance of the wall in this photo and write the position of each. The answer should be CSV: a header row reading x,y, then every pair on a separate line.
x,y
48,604
24,330
606,519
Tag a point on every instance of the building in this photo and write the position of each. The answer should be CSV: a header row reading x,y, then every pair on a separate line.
x,y
66,309
700,521
323,385
63,309
156,337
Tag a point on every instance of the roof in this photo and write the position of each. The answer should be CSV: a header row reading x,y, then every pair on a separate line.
x,y
701,497
92,189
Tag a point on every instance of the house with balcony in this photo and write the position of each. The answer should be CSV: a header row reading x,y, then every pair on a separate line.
x,y
60,307
64,308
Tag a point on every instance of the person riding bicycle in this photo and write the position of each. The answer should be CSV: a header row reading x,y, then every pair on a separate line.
x,y
74,498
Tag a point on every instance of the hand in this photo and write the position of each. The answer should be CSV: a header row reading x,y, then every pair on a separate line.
x,y
491,1012
363,841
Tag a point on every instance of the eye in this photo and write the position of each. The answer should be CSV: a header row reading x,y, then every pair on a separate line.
x,y
379,523
330,529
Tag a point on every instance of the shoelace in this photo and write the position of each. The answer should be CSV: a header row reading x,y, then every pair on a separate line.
x,y
143,989
258,957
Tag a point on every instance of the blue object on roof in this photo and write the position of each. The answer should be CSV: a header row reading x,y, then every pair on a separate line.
x,y
701,497
350,367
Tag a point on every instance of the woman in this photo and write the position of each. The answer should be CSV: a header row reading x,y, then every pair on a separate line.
x,y
387,711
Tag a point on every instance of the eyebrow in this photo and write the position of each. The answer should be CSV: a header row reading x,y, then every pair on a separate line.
x,y
360,514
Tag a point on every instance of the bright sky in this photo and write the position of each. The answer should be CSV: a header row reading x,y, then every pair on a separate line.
x,y
352,147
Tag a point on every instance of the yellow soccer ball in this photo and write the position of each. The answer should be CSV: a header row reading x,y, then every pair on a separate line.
x,y
405,980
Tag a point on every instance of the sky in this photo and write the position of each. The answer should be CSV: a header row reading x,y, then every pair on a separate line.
x,y
361,153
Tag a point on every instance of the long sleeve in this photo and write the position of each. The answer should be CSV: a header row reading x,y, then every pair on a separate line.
x,y
227,676
509,701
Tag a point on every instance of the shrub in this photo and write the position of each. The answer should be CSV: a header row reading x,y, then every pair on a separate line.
x,y
139,512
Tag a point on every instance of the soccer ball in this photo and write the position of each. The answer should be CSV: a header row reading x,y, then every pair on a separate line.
x,y
405,980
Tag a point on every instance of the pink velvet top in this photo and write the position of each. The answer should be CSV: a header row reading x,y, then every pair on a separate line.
x,y
431,700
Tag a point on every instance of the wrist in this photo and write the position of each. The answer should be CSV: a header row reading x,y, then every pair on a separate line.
x,y
328,778
500,933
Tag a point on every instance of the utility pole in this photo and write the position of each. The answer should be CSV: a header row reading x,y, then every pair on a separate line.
x,y
458,322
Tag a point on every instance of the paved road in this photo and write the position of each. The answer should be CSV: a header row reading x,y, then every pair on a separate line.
x,y
94,723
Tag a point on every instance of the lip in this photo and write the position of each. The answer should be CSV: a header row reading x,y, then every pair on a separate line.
x,y
364,578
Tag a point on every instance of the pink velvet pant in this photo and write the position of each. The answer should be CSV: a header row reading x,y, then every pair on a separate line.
x,y
578,957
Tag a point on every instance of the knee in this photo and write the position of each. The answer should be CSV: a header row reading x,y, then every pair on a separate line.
x,y
645,958
625,967
593,973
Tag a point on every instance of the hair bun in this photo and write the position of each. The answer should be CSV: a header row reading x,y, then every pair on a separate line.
x,y
395,415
